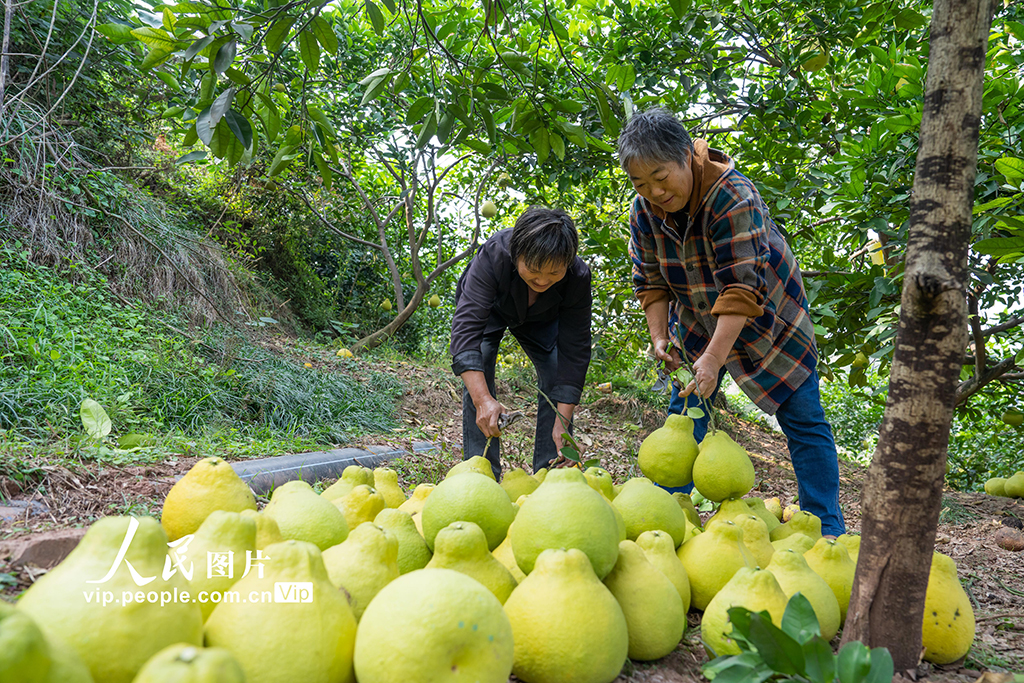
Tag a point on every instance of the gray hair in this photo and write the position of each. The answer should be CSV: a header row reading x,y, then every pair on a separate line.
x,y
654,135
543,235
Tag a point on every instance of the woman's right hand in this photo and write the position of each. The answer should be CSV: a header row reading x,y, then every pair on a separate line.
x,y
665,351
487,413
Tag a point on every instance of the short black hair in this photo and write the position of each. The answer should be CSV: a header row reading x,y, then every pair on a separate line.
x,y
543,235
654,135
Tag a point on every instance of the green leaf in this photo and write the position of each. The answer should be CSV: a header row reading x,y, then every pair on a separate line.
x,y
694,413
281,160
390,4
541,144
325,35
375,88
900,123
325,170
799,621
94,419
155,58
135,441
557,145
1000,246
225,57
277,34
444,126
383,71
477,145
1011,167
190,157
780,652
909,19
376,18
309,50
221,105
485,114
170,80
156,38
427,130
626,78
854,662
605,112
882,667
320,117
237,76
819,662
240,127
570,454
419,109
119,34
679,7
997,203
593,462
198,46
270,118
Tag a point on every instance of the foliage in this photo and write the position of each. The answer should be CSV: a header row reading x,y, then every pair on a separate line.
x,y
794,651
64,341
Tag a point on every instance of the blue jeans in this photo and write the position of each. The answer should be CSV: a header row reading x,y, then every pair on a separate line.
x,y
811,448
540,343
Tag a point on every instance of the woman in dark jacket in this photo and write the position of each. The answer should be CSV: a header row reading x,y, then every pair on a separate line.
x,y
528,280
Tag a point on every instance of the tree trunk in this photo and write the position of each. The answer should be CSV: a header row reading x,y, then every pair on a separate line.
x,y
903,492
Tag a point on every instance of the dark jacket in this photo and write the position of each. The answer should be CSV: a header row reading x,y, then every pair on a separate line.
x,y
491,286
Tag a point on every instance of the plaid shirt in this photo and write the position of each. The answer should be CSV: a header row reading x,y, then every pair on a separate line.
x,y
732,242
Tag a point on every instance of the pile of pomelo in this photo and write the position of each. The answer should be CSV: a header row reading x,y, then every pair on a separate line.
x,y
555,577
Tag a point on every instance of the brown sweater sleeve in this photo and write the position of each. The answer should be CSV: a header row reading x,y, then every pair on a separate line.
x,y
649,296
737,301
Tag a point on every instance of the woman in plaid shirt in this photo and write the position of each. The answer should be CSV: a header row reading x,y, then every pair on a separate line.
x,y
715,277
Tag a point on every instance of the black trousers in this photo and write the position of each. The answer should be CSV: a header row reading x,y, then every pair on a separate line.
x,y
539,342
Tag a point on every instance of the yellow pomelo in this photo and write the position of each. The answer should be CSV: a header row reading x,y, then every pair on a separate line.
x,y
386,305
302,515
363,564
503,553
795,576
434,625
65,664
565,512
210,485
386,483
413,552
353,476
24,652
774,506
801,522
789,511
646,507
711,559
267,531
852,544
1014,486
722,468
686,503
667,454
415,502
996,486
477,463
559,600
219,551
114,639
434,301
755,537
657,546
755,589
359,505
832,562
655,618
468,497
759,508
729,510
600,481
488,209
462,546
181,663
304,632
798,542
817,61
948,629
517,482
540,474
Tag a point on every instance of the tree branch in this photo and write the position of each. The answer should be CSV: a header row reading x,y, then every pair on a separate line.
x,y
1003,327
972,386
330,226
979,336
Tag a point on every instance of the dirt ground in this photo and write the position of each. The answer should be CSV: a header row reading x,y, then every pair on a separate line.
x,y
612,428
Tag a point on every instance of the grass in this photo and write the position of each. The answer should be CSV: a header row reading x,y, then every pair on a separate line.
x,y
64,337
